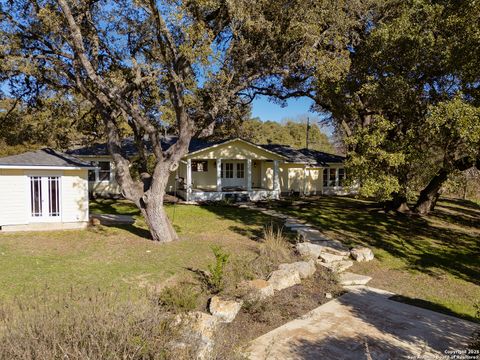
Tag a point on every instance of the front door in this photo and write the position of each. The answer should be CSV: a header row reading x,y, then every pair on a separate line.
x,y
233,174
44,198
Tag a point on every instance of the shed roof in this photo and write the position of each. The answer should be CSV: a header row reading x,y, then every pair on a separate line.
x,y
43,158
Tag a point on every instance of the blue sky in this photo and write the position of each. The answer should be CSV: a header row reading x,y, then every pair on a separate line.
x,y
266,110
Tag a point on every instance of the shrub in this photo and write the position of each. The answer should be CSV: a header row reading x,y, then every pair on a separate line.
x,y
275,246
217,269
213,279
87,325
179,298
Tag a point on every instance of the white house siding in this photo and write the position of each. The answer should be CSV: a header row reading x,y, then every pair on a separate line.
x,y
74,196
15,200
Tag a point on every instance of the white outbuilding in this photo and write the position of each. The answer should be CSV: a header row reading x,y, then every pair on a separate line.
x,y
43,190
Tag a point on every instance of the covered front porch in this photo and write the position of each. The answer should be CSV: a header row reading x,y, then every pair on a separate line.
x,y
235,179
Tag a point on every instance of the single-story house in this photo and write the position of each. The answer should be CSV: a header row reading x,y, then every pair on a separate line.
x,y
43,190
232,168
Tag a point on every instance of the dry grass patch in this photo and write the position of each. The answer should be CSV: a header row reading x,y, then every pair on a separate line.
x,y
88,324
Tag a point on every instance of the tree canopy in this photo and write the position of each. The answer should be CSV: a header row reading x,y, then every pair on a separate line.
x,y
189,64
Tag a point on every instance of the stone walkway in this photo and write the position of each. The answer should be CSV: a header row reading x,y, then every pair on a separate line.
x,y
112,219
332,254
365,324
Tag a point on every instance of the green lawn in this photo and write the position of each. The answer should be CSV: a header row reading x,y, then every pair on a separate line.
x,y
432,261
122,257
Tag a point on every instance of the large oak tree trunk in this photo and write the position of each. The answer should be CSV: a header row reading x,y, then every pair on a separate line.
x,y
429,195
159,225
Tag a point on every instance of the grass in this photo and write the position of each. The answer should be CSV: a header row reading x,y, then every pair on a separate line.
x,y
122,257
431,261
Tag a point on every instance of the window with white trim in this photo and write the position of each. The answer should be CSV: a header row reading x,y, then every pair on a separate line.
x,y
199,166
44,196
104,171
341,176
332,177
240,170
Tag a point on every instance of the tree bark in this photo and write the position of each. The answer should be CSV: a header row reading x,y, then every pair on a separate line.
x,y
159,225
429,195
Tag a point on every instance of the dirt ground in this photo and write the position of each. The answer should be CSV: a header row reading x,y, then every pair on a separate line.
x,y
259,318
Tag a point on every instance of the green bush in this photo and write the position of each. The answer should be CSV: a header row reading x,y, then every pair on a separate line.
x,y
179,298
215,277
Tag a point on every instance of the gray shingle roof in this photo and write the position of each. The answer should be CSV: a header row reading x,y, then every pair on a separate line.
x,y
43,157
129,148
303,156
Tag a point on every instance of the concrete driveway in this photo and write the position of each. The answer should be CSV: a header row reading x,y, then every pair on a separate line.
x,y
365,324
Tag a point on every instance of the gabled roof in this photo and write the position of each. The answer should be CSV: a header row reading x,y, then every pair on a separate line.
x,y
42,158
129,148
323,158
291,154
305,156
302,156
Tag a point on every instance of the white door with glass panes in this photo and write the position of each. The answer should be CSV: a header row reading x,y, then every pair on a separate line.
x,y
44,198
233,174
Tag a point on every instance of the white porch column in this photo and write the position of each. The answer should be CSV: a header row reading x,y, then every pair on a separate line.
x,y
249,174
189,179
305,180
336,177
276,183
219,175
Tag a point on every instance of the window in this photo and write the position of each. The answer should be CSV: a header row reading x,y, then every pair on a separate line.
x,y
240,170
104,171
53,196
341,176
44,196
200,166
332,177
325,177
229,170
91,175
36,196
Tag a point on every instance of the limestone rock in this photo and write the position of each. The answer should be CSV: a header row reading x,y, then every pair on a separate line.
x,y
311,234
224,310
348,279
334,247
305,268
198,333
95,222
308,250
257,289
328,257
328,296
282,279
362,254
337,266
